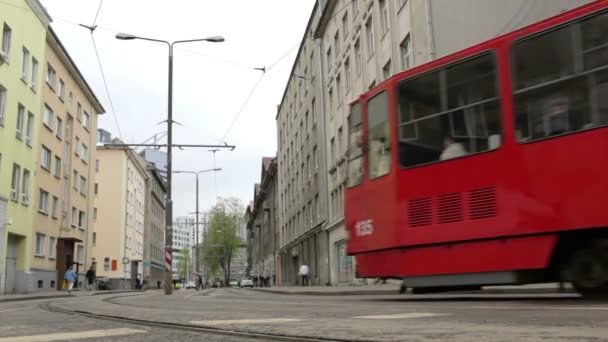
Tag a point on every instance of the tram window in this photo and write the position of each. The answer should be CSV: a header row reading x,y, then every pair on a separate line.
x,y
464,120
379,136
562,105
355,141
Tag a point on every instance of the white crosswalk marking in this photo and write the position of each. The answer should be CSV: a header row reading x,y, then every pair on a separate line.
x,y
403,315
246,321
72,335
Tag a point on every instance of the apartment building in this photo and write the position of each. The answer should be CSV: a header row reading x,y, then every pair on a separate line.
x,y
301,166
23,25
261,219
154,223
117,242
65,177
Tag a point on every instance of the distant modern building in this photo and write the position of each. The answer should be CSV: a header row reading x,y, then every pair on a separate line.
x,y
117,243
182,233
154,231
159,158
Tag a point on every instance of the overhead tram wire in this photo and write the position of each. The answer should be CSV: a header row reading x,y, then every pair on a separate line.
x,y
103,75
264,70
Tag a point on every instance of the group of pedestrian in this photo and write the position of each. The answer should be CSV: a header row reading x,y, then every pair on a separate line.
x,y
262,280
71,277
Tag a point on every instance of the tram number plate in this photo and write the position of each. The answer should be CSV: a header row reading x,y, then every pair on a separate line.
x,y
365,227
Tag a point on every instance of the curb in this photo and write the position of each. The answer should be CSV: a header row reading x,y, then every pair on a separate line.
x,y
548,291
4,300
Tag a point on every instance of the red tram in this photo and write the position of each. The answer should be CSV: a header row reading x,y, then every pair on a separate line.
x,y
490,165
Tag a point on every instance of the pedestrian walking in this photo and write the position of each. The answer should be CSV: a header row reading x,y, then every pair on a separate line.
x,y
71,277
303,273
266,279
158,284
90,275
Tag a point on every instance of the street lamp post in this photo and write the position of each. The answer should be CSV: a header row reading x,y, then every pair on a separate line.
x,y
168,200
196,173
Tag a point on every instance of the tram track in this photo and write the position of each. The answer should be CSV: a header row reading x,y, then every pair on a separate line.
x,y
195,328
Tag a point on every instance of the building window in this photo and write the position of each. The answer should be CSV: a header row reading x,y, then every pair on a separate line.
x,y
452,112
314,111
355,155
79,112
57,171
385,16
25,187
25,64
369,29
15,182
29,129
94,238
345,25
54,207
6,41
80,254
346,75
74,217
386,70
337,42
61,89
77,147
34,73
338,90
20,121
85,153
45,158
315,158
59,131
2,104
94,213
47,118
52,251
75,182
40,244
86,120
97,166
50,76
358,57
83,185
406,53
43,202
329,57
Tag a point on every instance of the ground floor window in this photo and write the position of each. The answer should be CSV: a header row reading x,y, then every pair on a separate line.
x,y
346,271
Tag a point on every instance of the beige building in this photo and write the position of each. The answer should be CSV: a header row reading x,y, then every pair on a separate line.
x,y
117,243
66,168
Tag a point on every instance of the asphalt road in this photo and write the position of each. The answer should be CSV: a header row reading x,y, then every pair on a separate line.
x,y
346,318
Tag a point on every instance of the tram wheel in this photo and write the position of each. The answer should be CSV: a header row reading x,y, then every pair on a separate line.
x,y
587,269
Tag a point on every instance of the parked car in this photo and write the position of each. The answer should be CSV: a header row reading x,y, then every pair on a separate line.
x,y
247,282
191,285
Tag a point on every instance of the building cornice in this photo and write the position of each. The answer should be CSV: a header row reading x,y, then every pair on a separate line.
x,y
40,12
326,15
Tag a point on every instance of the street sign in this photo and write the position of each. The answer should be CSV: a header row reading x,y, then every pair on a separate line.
x,y
125,260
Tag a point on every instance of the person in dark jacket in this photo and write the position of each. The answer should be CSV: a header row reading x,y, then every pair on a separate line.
x,y
90,275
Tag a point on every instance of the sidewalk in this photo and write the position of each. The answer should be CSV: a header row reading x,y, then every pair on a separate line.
x,y
391,289
58,294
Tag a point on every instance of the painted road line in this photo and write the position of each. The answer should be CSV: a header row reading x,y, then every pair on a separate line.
x,y
15,309
403,315
72,335
246,321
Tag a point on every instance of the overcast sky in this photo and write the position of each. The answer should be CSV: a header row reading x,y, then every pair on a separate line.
x,y
211,81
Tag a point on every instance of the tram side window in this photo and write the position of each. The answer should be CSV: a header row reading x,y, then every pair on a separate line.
x,y
355,141
566,93
449,113
379,136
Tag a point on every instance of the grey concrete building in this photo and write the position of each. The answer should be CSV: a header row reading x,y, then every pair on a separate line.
x,y
301,166
262,223
349,47
154,225
159,158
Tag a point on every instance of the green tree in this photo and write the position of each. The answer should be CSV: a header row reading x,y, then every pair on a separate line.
x,y
184,264
222,241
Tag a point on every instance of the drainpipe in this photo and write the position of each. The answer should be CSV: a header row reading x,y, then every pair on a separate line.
x,y
430,33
